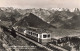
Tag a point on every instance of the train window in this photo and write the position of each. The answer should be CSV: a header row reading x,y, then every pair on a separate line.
x,y
34,34
37,35
48,35
44,36
31,33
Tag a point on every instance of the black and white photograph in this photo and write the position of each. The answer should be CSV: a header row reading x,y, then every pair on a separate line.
x,y
39,25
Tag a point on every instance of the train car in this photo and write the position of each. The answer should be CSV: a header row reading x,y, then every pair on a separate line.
x,y
45,38
41,37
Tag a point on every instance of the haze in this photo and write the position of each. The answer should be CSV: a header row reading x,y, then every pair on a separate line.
x,y
40,3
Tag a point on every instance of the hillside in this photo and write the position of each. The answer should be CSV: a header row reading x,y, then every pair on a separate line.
x,y
65,19
7,40
33,21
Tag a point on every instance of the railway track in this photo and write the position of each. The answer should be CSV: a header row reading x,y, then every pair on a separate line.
x,y
57,48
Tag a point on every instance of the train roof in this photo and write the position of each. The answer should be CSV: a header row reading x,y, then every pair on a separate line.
x,y
38,30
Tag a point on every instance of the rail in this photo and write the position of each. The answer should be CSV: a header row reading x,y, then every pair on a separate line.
x,y
62,49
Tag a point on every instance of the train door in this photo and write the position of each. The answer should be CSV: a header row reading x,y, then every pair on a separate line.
x,y
38,37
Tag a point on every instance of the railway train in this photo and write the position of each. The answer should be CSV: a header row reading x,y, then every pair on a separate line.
x,y
43,37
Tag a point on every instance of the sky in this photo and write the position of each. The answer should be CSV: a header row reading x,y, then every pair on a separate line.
x,y
40,3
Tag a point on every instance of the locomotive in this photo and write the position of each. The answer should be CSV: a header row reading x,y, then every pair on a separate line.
x,y
42,37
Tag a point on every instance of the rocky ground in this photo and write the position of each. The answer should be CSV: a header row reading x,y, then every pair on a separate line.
x,y
7,40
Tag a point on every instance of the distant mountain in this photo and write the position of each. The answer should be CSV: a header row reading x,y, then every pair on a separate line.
x,y
59,17
66,19
44,14
9,14
33,21
18,13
